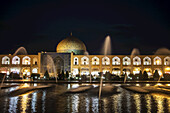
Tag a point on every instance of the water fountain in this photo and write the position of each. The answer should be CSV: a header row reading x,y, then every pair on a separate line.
x,y
107,51
21,51
134,52
162,51
2,81
50,66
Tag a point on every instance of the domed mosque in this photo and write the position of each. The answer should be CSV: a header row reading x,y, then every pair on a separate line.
x,y
72,57
71,44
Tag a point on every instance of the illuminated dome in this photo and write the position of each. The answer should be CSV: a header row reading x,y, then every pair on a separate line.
x,y
71,44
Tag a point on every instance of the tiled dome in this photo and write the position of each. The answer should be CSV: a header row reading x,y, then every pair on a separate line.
x,y
71,44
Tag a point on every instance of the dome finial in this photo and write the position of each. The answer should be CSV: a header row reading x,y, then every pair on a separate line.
x,y
71,33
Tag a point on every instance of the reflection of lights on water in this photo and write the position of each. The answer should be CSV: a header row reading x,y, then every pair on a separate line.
x,y
128,96
117,103
105,103
87,104
160,99
74,85
85,84
95,105
35,84
43,101
168,101
12,89
160,102
148,103
13,104
158,84
68,86
167,84
95,85
34,101
24,102
137,102
137,84
25,85
75,103
147,84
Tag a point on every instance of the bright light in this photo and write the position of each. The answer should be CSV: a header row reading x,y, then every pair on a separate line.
x,y
167,70
167,84
25,85
137,84
147,69
147,84
158,84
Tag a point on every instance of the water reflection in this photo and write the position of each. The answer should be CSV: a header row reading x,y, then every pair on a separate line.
x,y
95,104
148,103
128,97
24,102
43,101
160,102
34,101
75,102
168,101
74,85
13,101
49,101
137,102
117,105
87,101
105,105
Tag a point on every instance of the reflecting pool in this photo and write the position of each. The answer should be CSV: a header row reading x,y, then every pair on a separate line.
x,y
54,100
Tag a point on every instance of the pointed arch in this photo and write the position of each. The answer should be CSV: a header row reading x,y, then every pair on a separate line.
x,y
5,60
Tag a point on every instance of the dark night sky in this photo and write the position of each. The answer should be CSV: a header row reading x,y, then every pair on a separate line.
x,y
39,25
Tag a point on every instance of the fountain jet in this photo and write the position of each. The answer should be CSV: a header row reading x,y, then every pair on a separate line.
x,y
49,65
162,51
107,51
134,52
107,46
21,51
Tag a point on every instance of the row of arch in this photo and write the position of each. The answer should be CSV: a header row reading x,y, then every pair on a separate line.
x,y
18,70
16,60
126,61
118,71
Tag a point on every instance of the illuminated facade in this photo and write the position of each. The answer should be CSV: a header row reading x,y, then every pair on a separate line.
x,y
118,64
69,56
21,64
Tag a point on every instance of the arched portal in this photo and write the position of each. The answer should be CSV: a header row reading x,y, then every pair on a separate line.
x,y
59,64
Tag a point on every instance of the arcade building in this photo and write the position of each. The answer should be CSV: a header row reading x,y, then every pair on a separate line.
x,y
69,56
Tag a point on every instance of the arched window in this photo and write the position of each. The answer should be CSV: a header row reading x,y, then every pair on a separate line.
x,y
85,60
147,61
15,60
76,61
126,61
105,61
35,61
95,61
5,60
136,61
157,61
116,61
35,70
26,60
167,61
